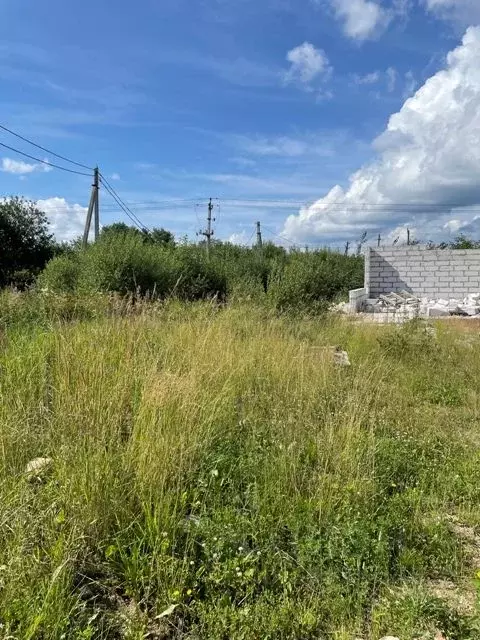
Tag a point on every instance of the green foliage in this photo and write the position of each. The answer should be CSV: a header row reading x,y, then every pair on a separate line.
x,y
411,340
126,261
26,245
62,274
155,236
310,280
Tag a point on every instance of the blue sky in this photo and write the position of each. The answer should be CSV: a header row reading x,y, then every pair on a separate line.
x,y
264,104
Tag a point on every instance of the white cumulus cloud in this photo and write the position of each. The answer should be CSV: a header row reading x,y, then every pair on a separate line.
x,y
242,238
20,168
307,63
66,220
428,163
362,19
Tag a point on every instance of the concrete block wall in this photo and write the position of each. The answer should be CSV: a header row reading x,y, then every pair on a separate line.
x,y
357,299
429,273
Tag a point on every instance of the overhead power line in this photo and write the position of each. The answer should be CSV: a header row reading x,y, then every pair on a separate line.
x,y
52,153
356,206
119,199
136,221
45,162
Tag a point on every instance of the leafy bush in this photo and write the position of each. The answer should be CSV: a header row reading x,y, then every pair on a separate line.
x,y
62,274
125,263
310,280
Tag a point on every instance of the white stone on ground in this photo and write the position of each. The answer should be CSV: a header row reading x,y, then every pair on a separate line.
x,y
38,468
341,358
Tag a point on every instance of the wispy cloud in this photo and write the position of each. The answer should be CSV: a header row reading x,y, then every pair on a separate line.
x,y
307,64
308,143
369,78
464,12
361,19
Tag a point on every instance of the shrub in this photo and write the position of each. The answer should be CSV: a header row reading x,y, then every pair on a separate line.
x,y
123,263
310,280
61,275
126,264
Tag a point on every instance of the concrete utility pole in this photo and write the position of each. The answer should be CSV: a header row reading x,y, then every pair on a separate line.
x,y
209,232
92,207
96,186
259,236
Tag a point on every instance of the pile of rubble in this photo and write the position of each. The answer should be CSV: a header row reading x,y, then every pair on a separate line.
x,y
405,304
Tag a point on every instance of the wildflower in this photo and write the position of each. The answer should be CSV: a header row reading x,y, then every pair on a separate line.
x,y
240,549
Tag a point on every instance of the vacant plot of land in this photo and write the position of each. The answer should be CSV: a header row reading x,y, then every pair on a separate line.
x,y
215,475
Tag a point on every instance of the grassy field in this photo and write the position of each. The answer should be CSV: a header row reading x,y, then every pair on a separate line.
x,y
216,476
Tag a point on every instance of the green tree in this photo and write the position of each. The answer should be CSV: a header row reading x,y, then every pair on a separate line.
x,y
117,228
161,236
464,242
25,241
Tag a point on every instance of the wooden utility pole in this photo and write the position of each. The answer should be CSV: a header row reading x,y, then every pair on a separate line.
x,y
347,247
208,232
408,237
379,240
92,207
259,236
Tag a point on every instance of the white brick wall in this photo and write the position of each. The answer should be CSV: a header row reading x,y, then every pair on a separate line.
x,y
436,273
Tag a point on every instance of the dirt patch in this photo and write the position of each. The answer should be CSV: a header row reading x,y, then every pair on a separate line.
x,y
461,598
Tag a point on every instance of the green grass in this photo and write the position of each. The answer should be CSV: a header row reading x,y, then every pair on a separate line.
x,y
214,463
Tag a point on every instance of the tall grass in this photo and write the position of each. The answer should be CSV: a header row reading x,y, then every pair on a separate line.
x,y
214,464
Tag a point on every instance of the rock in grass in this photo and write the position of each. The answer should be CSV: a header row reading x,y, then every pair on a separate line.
x,y
341,358
38,469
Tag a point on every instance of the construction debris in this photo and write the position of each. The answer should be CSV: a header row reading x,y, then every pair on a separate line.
x,y
403,304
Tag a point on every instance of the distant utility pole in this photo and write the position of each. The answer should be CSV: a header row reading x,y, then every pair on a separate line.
x,y
408,237
93,208
379,240
361,243
209,232
347,247
259,236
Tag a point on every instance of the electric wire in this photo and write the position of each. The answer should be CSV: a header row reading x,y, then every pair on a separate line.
x,y
34,144
45,162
